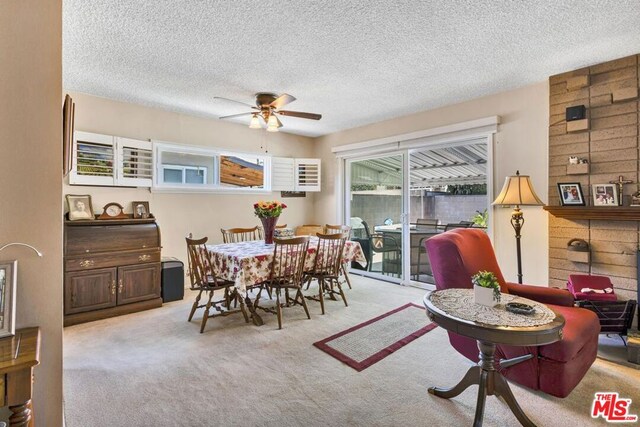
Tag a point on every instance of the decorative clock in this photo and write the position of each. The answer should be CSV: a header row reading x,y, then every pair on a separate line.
x,y
113,210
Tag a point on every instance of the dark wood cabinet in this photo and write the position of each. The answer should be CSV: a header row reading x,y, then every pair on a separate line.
x,y
112,267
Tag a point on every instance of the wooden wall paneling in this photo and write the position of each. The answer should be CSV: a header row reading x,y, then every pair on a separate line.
x,y
611,146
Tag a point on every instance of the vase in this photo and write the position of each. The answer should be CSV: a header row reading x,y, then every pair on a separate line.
x,y
269,225
483,296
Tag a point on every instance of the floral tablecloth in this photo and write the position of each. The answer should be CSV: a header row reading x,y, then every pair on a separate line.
x,y
249,263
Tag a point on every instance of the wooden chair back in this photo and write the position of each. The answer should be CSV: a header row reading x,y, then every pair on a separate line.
x,y
337,229
329,254
289,256
281,226
199,263
308,230
235,235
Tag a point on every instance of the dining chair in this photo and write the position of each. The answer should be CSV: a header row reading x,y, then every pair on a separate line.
x,y
339,229
204,281
281,226
327,267
287,272
235,235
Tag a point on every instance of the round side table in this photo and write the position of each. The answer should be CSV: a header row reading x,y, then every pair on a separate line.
x,y
484,374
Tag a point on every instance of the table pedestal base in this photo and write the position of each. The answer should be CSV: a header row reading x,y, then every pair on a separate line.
x,y
490,382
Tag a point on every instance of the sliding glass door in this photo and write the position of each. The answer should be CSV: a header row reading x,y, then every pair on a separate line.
x,y
376,212
395,202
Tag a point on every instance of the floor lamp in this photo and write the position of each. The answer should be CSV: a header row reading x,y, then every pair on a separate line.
x,y
517,191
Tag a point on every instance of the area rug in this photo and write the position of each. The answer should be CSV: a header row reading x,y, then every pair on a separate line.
x,y
369,342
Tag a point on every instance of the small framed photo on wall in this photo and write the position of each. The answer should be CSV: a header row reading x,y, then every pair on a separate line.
x,y
570,194
8,277
605,195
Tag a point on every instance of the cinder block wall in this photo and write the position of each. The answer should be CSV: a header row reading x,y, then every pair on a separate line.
x,y
610,93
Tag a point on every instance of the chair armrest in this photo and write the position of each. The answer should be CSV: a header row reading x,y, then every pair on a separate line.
x,y
542,294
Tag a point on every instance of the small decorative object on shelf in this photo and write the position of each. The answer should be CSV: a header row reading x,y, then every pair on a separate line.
x,y
486,289
113,210
635,199
620,183
604,195
268,212
570,194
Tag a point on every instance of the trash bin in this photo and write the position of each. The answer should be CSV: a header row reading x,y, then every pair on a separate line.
x,y
172,279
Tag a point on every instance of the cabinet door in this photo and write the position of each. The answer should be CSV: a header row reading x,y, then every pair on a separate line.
x,y
138,283
89,290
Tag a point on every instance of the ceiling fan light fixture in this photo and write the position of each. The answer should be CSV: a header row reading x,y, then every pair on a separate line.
x,y
255,122
272,124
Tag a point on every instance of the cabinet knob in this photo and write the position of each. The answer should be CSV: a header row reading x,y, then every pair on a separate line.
x,y
144,257
87,263
120,286
113,287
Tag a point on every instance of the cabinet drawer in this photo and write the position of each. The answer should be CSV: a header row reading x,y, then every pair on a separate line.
x,y
90,239
112,260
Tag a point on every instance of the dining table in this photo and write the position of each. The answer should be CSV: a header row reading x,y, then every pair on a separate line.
x,y
248,264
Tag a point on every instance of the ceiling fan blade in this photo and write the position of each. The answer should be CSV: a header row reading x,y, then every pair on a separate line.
x,y
312,116
282,100
236,115
237,102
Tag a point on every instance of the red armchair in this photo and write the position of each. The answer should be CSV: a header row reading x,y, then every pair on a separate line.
x,y
556,368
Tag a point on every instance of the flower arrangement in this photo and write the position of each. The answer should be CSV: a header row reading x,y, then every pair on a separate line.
x,y
271,209
486,279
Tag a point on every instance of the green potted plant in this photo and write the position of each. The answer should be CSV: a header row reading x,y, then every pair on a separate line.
x,y
486,289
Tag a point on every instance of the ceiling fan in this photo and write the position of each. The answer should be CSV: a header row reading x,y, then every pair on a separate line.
x,y
268,107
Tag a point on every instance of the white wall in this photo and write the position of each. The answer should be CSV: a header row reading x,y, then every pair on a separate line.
x,y
521,144
31,177
202,214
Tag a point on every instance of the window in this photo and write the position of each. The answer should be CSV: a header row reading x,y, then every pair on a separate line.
x,y
242,172
189,168
110,160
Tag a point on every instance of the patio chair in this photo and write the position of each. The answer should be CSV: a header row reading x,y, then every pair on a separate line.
x,y
235,235
340,229
327,267
204,281
391,252
287,269
428,225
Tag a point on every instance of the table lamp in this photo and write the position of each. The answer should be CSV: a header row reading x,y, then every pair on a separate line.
x,y
517,191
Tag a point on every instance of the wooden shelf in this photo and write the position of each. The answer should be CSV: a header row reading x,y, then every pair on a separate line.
x,y
124,221
611,213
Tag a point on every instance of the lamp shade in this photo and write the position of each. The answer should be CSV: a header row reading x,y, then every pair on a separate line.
x,y
255,122
518,191
272,124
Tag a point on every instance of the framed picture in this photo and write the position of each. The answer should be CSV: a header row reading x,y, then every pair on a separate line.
x,y
8,275
68,113
605,195
79,207
570,194
140,209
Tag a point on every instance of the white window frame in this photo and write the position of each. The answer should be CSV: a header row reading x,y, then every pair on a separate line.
x,y
184,169
216,187
117,145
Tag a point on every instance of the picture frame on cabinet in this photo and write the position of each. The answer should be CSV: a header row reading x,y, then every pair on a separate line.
x,y
79,207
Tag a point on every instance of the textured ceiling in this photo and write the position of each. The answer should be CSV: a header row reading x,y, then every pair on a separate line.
x,y
354,62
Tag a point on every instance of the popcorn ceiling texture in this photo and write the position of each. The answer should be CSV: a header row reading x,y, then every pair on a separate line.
x,y
355,62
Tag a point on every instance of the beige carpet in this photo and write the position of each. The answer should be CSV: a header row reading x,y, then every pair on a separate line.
x,y
155,369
